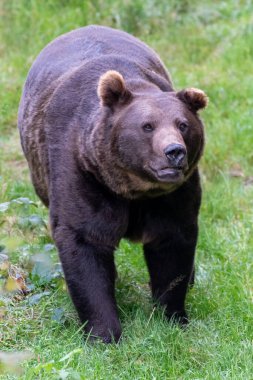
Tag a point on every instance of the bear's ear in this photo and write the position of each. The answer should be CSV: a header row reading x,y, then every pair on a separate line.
x,y
194,98
112,89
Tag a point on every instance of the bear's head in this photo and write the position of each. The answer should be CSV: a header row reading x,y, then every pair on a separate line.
x,y
148,141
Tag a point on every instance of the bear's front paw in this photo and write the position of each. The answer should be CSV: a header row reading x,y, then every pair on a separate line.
x,y
178,316
106,334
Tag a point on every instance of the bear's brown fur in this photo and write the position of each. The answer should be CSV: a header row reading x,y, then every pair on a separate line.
x,y
113,151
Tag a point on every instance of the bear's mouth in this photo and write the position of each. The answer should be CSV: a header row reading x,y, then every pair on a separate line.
x,y
171,175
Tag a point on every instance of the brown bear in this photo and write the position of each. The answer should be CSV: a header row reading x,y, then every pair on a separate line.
x,y
113,151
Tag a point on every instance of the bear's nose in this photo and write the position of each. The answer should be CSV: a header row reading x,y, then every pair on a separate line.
x,y
176,155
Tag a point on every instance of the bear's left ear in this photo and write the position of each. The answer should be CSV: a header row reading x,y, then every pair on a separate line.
x,y
112,89
194,98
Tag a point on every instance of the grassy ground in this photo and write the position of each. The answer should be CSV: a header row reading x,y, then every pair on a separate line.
x,y
204,44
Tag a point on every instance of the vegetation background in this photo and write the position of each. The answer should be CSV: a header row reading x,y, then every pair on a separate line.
x,y
206,44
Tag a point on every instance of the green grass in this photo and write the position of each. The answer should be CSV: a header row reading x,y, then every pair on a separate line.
x,y
203,44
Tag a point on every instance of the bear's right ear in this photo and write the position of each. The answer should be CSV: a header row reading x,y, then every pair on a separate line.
x,y
112,89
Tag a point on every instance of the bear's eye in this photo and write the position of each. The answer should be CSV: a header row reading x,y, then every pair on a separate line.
x,y
148,128
183,127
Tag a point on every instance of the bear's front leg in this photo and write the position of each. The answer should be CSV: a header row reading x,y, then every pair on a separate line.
x,y
90,275
170,262
87,224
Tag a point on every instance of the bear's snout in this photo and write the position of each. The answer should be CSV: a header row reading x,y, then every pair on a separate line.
x,y
176,155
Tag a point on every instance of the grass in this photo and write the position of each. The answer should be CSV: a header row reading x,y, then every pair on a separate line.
x,y
203,44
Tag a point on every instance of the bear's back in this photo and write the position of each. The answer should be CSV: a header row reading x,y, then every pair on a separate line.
x,y
85,45
85,52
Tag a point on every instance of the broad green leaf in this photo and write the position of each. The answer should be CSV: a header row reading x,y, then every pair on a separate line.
x,y
24,201
35,298
58,315
31,221
48,247
4,206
